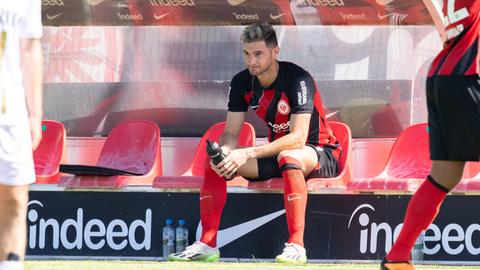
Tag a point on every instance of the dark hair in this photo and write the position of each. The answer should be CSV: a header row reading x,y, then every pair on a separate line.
x,y
260,31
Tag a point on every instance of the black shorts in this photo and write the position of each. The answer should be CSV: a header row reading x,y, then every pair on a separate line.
x,y
268,167
454,117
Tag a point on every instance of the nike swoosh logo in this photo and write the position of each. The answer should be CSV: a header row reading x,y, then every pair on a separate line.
x,y
331,114
94,2
236,2
159,17
381,17
53,17
274,17
228,235
293,196
205,197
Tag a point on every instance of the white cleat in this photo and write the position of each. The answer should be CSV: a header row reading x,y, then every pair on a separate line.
x,y
293,254
198,251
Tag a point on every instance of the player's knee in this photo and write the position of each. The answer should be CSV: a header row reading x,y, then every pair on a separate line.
x,y
287,160
284,154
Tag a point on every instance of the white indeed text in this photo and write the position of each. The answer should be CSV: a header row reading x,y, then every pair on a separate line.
x,y
316,3
167,3
129,17
93,233
453,238
353,17
53,3
244,16
279,128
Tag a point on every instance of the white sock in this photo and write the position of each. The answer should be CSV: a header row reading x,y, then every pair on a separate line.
x,y
11,265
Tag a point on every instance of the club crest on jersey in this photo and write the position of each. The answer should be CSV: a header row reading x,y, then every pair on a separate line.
x,y
283,107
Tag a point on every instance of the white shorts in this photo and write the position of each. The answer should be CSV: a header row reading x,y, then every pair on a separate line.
x,y
16,155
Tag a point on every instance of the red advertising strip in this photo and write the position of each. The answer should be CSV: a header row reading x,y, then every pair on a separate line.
x,y
234,12
360,12
165,12
211,12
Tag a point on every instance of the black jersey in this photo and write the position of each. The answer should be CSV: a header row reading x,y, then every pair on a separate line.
x,y
293,92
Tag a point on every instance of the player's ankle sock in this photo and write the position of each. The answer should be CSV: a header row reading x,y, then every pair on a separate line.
x,y
421,211
213,195
294,197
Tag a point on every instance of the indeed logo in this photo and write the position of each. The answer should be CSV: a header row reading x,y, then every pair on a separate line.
x,y
317,3
453,238
53,3
353,17
172,3
94,233
244,16
129,17
279,128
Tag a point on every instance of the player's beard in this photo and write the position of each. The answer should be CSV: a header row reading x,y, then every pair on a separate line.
x,y
259,71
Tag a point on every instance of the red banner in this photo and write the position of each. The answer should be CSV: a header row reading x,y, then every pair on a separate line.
x,y
361,12
234,12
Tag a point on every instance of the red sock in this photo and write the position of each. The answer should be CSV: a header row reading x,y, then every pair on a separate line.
x,y
294,197
213,196
421,211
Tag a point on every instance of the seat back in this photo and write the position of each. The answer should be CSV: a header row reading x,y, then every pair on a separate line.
x,y
344,136
52,149
246,138
410,155
132,146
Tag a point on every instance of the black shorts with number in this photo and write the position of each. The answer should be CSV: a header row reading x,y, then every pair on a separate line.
x,y
268,167
454,117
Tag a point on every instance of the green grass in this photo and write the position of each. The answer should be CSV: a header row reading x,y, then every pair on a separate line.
x,y
147,265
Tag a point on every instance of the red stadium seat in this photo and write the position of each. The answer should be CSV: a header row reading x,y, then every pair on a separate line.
x,y
132,146
408,164
471,179
50,152
193,177
344,136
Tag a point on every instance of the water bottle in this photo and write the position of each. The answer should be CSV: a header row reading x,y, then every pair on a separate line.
x,y
417,251
181,236
168,237
216,154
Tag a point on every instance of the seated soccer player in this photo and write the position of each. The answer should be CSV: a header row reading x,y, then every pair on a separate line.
x,y
301,143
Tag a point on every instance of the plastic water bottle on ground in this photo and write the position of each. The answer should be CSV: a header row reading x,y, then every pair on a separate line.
x,y
417,251
168,237
181,236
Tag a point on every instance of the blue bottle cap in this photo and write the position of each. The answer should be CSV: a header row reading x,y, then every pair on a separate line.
x,y
181,222
169,221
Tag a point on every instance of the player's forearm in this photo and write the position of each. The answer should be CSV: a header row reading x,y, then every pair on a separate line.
x,y
287,142
32,67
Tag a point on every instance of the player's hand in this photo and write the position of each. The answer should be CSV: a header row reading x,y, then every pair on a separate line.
x,y
233,161
35,130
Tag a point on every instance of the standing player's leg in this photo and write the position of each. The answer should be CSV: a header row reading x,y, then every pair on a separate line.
x,y
454,124
422,210
16,173
13,231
